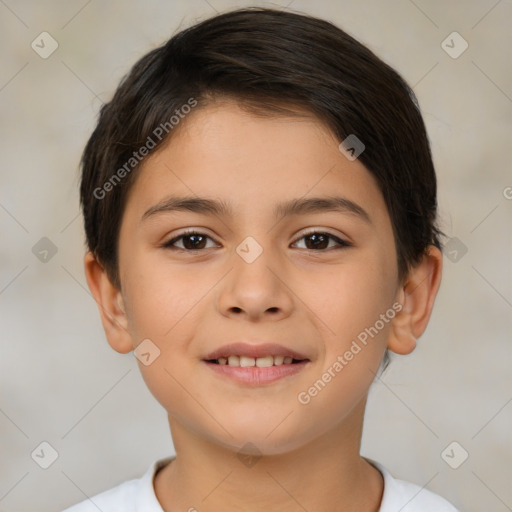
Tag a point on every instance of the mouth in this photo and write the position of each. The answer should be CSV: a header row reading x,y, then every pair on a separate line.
x,y
259,362
256,364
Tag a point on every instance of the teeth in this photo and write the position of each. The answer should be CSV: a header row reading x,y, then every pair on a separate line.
x,y
264,362
260,362
278,360
247,361
234,361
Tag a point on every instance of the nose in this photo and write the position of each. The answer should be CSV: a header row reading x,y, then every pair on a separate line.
x,y
256,288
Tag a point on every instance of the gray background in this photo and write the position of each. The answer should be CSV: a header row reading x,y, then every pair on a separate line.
x,y
60,382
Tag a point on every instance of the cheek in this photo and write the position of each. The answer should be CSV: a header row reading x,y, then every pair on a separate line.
x,y
159,297
163,306
351,298
354,343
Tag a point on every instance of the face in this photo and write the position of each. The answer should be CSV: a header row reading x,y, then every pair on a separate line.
x,y
310,281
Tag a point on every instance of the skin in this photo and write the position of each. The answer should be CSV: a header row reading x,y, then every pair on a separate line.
x,y
314,300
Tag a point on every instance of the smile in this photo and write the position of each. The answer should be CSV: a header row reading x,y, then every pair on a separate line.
x,y
245,370
260,362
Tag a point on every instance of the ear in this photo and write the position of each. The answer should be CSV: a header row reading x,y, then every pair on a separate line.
x,y
110,304
417,296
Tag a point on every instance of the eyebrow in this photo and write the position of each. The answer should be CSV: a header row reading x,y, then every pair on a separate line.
x,y
206,206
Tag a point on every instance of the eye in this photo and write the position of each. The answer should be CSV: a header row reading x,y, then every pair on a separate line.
x,y
196,241
320,240
192,241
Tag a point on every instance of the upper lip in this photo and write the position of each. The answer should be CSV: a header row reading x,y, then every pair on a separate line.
x,y
254,350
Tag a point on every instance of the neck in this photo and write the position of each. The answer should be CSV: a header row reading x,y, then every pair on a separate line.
x,y
323,475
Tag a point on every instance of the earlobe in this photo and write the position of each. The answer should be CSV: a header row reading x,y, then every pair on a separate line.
x,y
401,339
110,305
417,297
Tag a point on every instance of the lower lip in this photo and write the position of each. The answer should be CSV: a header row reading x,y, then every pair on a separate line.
x,y
256,376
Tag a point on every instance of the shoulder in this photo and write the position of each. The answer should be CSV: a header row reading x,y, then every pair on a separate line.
x,y
135,495
409,497
120,497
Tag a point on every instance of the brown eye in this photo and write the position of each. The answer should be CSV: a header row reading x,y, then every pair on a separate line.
x,y
317,240
191,241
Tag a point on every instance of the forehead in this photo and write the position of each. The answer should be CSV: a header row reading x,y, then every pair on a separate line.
x,y
252,163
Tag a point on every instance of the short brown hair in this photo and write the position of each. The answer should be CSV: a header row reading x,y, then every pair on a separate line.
x,y
265,58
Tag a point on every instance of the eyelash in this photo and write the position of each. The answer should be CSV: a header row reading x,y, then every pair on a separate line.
x,y
342,244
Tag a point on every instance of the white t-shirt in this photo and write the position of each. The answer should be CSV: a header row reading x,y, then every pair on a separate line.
x,y
138,495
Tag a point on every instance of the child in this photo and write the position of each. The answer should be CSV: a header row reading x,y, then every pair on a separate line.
x,y
260,210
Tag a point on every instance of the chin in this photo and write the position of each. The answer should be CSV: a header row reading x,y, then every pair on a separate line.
x,y
261,437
